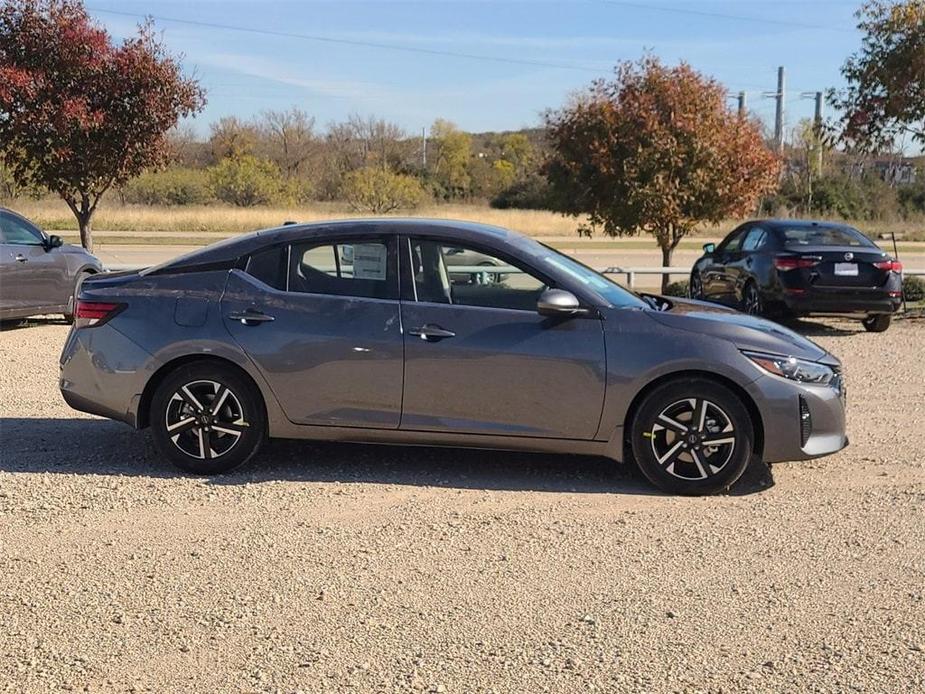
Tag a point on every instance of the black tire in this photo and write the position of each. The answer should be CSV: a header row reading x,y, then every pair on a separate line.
x,y
72,301
232,435
877,323
752,302
687,466
695,288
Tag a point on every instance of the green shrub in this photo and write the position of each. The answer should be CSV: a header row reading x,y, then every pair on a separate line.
x,y
532,193
377,190
914,288
677,289
174,186
247,181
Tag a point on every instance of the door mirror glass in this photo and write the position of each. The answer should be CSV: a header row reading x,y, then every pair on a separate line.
x,y
54,242
709,248
558,302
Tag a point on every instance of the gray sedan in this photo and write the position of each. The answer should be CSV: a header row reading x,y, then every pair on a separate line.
x,y
38,273
354,331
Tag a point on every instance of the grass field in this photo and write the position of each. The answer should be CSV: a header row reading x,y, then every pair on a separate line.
x,y
53,215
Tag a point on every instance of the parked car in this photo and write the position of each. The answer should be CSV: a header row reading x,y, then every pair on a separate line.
x,y
456,258
800,268
265,335
38,273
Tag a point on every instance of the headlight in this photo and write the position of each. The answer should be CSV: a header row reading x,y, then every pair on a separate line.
x,y
793,368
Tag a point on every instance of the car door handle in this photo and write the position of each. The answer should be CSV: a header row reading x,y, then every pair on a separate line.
x,y
250,317
431,333
20,258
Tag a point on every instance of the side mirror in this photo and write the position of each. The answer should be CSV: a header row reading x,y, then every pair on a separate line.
x,y
558,302
709,248
53,242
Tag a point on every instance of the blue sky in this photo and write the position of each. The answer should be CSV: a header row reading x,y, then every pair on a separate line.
x,y
575,42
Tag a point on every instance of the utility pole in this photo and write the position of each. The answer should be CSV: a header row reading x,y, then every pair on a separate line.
x,y
817,124
779,111
424,148
743,104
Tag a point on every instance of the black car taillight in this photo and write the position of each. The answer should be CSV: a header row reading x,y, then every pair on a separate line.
x,y
806,422
94,313
889,265
792,262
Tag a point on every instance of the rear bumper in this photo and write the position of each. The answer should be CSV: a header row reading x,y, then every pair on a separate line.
x,y
102,373
780,406
841,300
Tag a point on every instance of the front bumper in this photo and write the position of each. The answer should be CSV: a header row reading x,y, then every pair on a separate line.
x,y
102,372
784,405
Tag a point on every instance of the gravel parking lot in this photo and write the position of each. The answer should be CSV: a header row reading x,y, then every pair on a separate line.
x,y
359,568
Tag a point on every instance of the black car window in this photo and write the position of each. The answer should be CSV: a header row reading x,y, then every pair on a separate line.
x,y
795,237
269,266
754,240
16,231
361,268
454,274
733,242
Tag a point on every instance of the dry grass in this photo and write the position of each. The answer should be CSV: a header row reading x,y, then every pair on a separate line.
x,y
54,215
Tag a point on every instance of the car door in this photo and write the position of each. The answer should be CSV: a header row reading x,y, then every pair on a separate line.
x,y
479,359
320,319
742,264
719,286
33,277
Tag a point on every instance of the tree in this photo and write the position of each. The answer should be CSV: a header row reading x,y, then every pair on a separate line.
x,y
885,96
247,181
656,151
376,190
454,150
79,114
232,138
289,138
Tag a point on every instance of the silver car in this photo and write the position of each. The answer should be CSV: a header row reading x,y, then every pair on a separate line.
x,y
38,273
354,331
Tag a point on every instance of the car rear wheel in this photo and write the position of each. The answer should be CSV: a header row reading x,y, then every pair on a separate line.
x,y
877,323
207,418
751,300
692,436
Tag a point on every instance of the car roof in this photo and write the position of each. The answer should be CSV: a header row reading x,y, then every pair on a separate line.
x,y
801,224
237,246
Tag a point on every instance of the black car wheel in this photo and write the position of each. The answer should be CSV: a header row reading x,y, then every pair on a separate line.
x,y
877,323
751,300
692,436
695,289
207,418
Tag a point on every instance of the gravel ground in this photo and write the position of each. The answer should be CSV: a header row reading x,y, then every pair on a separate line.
x,y
323,568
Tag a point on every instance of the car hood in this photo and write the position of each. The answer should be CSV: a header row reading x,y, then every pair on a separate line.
x,y
744,331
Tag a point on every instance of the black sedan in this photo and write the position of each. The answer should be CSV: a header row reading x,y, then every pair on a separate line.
x,y
800,268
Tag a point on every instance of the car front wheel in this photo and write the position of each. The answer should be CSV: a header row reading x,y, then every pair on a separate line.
x,y
692,436
207,418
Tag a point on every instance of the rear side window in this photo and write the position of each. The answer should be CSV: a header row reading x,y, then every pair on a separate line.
x,y
366,269
824,236
269,266
754,240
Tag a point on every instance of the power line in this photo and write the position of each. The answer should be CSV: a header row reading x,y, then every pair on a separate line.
x,y
720,15
352,42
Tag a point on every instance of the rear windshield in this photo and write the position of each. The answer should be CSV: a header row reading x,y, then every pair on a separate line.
x,y
824,236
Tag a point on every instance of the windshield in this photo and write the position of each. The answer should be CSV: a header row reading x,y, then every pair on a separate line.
x,y
592,279
797,237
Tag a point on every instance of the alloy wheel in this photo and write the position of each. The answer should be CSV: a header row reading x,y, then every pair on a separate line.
x,y
752,300
204,419
692,439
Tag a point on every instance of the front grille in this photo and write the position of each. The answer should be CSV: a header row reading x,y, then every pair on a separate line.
x,y
806,422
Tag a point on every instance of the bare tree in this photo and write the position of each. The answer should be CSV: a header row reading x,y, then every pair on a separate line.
x,y
289,139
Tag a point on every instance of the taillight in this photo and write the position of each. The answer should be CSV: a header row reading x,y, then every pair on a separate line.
x,y
793,262
889,266
96,312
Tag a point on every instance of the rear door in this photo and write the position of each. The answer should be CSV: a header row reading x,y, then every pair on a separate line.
x,y
320,319
742,265
479,359
717,283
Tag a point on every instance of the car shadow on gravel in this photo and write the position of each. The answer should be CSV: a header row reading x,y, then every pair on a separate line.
x,y
102,447
811,328
10,324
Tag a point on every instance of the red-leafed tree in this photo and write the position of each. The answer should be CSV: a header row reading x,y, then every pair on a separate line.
x,y
79,114
656,150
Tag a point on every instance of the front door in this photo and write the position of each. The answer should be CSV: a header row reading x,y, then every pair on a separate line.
x,y
479,359
321,321
33,277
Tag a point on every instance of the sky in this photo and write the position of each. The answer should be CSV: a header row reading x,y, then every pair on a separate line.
x,y
486,66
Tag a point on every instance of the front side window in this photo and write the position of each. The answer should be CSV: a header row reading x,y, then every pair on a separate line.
x,y
16,231
452,274
350,268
